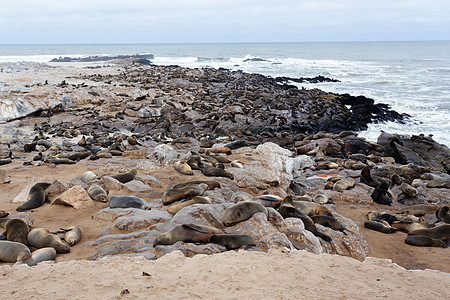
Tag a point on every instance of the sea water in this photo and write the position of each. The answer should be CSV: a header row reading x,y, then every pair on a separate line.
x,y
412,77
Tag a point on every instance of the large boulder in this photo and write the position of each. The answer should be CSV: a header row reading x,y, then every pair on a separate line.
x,y
77,197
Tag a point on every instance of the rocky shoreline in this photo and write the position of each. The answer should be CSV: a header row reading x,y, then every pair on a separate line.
x,y
269,140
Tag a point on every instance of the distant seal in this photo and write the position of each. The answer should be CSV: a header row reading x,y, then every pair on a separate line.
x,y
242,211
287,210
425,241
225,150
196,200
3,214
183,168
343,184
16,230
216,172
36,196
12,251
188,233
237,164
212,184
128,201
97,193
430,236
72,235
367,178
268,200
381,194
182,192
383,227
322,199
222,159
88,176
125,177
41,238
419,210
408,226
308,208
240,196
43,254
442,213
231,241
328,221
408,190
195,162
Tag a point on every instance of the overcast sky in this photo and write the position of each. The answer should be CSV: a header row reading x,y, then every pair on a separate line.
x,y
174,21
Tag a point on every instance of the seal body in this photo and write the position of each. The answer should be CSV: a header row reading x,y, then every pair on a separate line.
x,y
328,221
188,233
267,200
183,168
196,200
231,241
128,201
216,172
12,251
125,177
41,238
383,227
3,214
242,211
38,256
408,190
72,235
36,196
97,193
88,176
183,191
419,210
240,196
381,194
442,213
16,230
425,241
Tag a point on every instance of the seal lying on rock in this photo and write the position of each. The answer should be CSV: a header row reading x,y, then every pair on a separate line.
x,y
183,168
442,213
125,177
128,201
329,221
231,241
196,200
242,211
97,193
216,172
183,191
308,208
36,196
188,233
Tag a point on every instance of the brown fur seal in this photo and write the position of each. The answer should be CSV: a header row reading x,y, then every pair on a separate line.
x,y
16,230
178,193
41,238
3,214
12,251
425,241
288,211
410,226
344,184
188,233
419,209
268,200
216,172
240,196
381,194
322,199
125,177
231,241
88,176
308,208
38,256
408,190
383,227
330,222
196,200
36,196
367,178
97,193
441,232
241,211
442,213
212,184
237,164
225,150
128,201
183,168
72,235
195,162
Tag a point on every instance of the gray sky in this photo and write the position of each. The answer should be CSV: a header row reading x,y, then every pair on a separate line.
x,y
167,21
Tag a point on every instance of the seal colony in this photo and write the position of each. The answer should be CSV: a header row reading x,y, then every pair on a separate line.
x,y
254,172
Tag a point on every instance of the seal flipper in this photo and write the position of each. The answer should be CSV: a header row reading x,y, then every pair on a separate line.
x,y
195,227
324,237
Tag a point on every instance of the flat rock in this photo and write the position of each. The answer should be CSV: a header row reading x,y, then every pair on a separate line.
x,y
77,197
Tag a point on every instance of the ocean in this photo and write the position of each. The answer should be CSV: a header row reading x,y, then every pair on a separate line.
x,y
412,77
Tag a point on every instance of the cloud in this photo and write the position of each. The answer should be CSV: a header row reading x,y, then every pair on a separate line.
x,y
113,21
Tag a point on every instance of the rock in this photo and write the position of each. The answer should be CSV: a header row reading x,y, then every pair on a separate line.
x,y
165,154
54,190
111,214
136,186
77,197
300,238
148,180
265,235
4,178
190,249
24,216
112,184
23,195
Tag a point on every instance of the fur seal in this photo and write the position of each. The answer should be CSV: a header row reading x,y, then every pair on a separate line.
x,y
367,178
183,168
381,194
419,210
188,233
308,208
128,201
225,150
16,230
441,232
36,196
3,214
268,200
425,241
41,238
72,235
442,213
43,254
196,200
12,251
178,193
97,193
88,176
328,221
231,241
288,211
216,172
344,184
322,199
237,164
408,190
195,162
125,177
212,184
410,226
242,211
240,196
383,226
222,159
